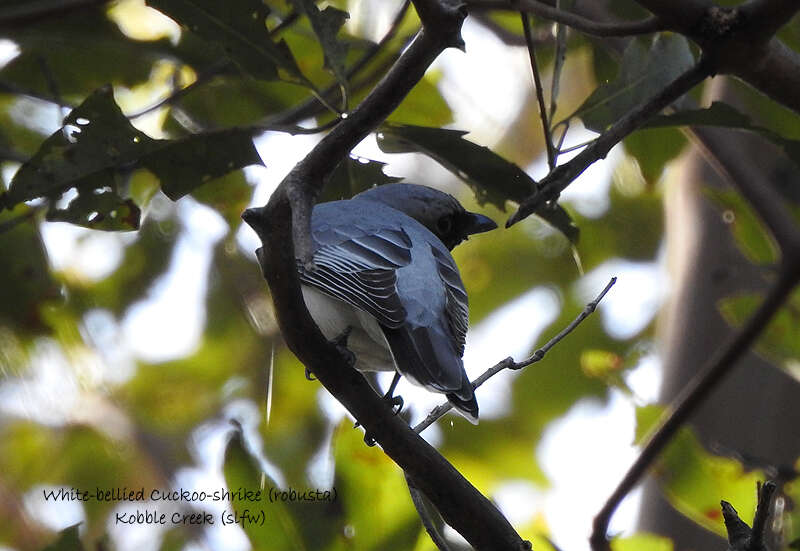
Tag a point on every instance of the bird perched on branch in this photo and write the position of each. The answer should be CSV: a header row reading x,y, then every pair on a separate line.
x,y
384,281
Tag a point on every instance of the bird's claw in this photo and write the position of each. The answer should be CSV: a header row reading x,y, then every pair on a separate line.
x,y
309,376
396,403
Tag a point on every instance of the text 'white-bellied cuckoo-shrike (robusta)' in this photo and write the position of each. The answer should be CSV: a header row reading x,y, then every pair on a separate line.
x,y
385,279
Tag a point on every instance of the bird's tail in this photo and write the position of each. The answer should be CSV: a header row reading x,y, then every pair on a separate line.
x,y
464,402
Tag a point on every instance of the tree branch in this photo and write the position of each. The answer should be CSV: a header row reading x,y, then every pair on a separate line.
x,y
740,536
739,41
288,210
769,15
558,179
509,362
577,22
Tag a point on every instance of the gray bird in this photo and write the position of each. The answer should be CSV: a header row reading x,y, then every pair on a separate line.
x,y
385,278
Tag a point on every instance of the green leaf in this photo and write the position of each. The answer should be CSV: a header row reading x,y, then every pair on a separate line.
x,y
492,178
373,492
68,540
240,29
229,195
354,175
694,480
100,211
183,165
780,341
721,114
242,471
653,149
97,145
642,542
424,105
79,51
749,232
326,25
25,283
643,73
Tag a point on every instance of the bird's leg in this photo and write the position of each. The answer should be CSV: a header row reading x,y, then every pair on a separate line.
x,y
396,403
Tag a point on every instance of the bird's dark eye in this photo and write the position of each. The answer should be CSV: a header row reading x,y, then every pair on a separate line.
x,y
445,224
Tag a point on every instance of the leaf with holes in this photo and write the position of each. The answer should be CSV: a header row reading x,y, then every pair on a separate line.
x,y
492,178
240,29
97,147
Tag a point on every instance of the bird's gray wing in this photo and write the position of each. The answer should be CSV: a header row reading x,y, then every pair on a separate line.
x,y
456,302
431,354
358,267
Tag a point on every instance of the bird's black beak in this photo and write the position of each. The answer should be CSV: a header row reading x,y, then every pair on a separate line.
x,y
477,223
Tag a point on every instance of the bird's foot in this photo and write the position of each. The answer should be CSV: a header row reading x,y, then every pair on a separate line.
x,y
395,402
309,376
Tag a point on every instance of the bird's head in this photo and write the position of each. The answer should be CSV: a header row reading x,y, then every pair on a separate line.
x,y
440,212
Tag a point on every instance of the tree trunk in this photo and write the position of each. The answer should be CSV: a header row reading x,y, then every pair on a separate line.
x,y
755,411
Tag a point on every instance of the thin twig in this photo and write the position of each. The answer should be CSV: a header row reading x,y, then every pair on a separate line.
x,y
574,147
427,514
558,179
540,36
7,154
595,28
202,78
509,363
537,82
558,64
54,89
12,88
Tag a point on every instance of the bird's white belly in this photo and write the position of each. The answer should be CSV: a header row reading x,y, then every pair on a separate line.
x,y
366,340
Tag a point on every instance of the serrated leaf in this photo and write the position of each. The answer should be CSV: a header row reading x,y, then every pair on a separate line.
x,y
721,114
492,178
97,145
240,29
644,72
183,165
354,175
326,25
